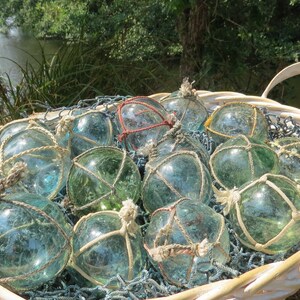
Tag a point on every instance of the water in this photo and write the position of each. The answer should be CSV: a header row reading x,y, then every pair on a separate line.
x,y
19,47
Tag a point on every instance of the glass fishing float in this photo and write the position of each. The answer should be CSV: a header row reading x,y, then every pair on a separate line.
x,y
185,239
101,178
34,241
107,243
232,119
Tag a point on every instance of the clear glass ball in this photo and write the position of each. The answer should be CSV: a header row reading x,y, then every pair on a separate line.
x,y
265,214
87,129
242,159
236,118
101,178
183,239
288,151
172,177
170,144
35,241
47,163
188,110
140,121
102,249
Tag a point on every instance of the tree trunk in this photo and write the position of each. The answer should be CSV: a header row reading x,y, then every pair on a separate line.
x,y
192,27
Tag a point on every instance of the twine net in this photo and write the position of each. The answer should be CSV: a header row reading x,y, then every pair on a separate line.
x,y
111,186
65,247
36,152
127,216
125,131
249,147
231,201
254,118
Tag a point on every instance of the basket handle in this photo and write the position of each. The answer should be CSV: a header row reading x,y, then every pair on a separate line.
x,y
288,72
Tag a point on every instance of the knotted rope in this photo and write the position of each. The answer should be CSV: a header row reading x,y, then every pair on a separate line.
x,y
14,175
161,253
186,89
167,120
128,214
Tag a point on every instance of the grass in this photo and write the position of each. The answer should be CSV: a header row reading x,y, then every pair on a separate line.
x,y
78,71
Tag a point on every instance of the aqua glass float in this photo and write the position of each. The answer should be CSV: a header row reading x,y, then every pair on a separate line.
x,y
236,118
172,177
46,162
175,141
187,107
265,213
288,151
101,178
108,243
184,240
16,126
34,241
242,159
84,129
141,121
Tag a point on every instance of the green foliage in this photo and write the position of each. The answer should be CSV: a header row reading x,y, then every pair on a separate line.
x,y
79,71
127,29
133,46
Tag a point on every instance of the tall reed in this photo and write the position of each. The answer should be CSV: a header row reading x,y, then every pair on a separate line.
x,y
79,71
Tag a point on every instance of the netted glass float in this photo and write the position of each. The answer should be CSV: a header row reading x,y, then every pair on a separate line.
x,y
84,129
108,243
185,239
101,178
288,151
16,126
187,107
46,162
175,141
171,177
265,213
142,121
242,159
34,241
236,118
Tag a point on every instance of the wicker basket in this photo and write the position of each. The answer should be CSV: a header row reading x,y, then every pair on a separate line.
x,y
276,280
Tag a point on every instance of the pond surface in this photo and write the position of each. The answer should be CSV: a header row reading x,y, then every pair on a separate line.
x,y
18,47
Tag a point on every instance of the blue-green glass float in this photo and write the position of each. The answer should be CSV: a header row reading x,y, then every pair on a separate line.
x,y
178,140
101,178
235,118
242,159
83,129
142,121
34,241
288,151
185,239
108,243
265,213
188,109
46,162
16,126
171,177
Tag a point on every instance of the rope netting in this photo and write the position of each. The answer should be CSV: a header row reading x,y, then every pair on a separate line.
x,y
146,108
150,283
